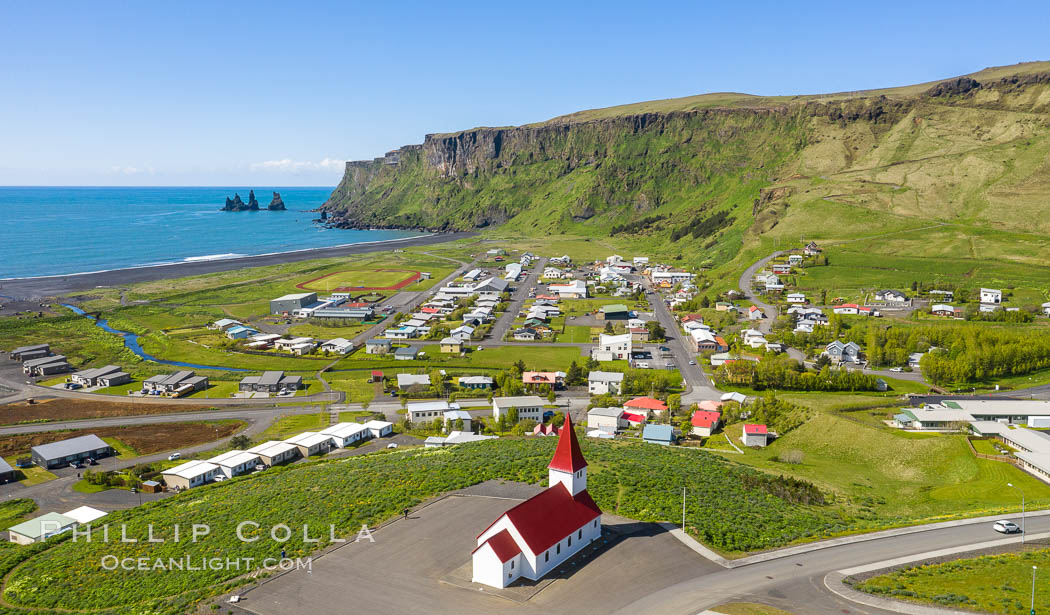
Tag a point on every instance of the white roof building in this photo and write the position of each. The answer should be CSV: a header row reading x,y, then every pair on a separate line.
x,y
85,514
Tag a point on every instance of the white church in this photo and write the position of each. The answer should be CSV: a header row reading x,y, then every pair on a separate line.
x,y
544,531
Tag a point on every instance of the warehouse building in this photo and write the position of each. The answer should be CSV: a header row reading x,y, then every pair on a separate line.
x,y
46,366
73,450
25,353
90,377
271,382
41,528
289,303
190,474
234,463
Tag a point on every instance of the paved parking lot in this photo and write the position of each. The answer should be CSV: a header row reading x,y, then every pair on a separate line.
x,y
402,571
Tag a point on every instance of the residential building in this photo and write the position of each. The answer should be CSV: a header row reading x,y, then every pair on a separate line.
x,y
378,346
991,296
604,383
796,298
451,416
646,405
528,406
795,260
271,382
74,450
33,351
345,434
311,443
338,346
526,334
405,353
234,463
839,352
475,382
427,411
614,311
606,419
451,345
455,437
92,377
380,429
84,515
705,422
576,289
613,348
541,533
240,332
190,474
407,381
659,434
891,296
754,435
554,380
274,452
46,366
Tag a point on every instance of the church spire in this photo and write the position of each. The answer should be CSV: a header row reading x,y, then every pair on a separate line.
x,y
567,457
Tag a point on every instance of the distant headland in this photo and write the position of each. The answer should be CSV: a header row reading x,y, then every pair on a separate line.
x,y
236,204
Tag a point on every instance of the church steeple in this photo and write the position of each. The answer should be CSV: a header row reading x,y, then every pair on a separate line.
x,y
568,465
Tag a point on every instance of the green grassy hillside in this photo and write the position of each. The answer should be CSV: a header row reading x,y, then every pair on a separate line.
x,y
719,178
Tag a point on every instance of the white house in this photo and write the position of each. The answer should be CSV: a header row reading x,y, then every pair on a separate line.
x,y
992,296
274,452
311,443
380,429
754,435
576,289
613,348
190,474
458,415
528,406
339,346
609,420
235,463
796,298
406,381
541,533
427,411
603,383
553,273
345,434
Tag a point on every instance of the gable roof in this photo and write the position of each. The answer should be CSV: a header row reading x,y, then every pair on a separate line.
x,y
658,432
503,546
551,515
705,418
567,457
647,403
750,428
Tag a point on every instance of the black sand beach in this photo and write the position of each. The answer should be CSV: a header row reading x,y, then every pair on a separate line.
x,y
58,286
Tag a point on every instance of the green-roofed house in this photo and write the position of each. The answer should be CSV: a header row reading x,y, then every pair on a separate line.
x,y
614,311
40,528
904,419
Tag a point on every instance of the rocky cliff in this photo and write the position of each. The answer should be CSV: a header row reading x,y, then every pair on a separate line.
x,y
277,203
715,163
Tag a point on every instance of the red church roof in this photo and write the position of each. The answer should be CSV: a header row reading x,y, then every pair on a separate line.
x,y
567,457
550,516
648,403
502,544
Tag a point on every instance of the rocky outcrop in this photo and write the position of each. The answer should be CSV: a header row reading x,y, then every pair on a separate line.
x,y
236,204
277,204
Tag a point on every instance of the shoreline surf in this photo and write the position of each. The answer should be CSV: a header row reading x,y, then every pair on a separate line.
x,y
26,288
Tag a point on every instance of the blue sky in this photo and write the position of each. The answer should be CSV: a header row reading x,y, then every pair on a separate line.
x,y
256,93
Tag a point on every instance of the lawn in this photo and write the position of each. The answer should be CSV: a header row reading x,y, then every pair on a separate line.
x,y
13,512
991,583
33,475
633,480
356,386
358,278
748,608
575,335
353,416
293,424
886,477
123,450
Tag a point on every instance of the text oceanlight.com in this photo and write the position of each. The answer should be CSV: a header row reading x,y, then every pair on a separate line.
x,y
247,564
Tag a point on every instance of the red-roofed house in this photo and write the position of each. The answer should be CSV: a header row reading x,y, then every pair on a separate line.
x,y
377,376
544,531
647,404
552,379
711,405
633,419
705,422
544,429
755,435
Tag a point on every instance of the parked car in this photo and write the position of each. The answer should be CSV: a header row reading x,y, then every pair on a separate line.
x,y
392,445
1006,527
91,462
76,464
692,363
74,385
174,456
219,478
896,369
259,467
664,349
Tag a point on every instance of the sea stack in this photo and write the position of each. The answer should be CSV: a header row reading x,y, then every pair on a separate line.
x,y
236,204
277,204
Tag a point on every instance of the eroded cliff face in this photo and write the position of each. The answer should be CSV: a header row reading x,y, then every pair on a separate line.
x,y
617,172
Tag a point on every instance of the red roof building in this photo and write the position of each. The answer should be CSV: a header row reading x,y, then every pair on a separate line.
x,y
646,403
630,417
753,429
706,418
536,536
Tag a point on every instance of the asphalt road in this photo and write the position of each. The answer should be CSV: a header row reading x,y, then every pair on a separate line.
x,y
52,286
517,300
796,583
770,312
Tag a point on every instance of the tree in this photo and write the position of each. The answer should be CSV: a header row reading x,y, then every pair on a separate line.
x,y
551,397
674,404
438,424
365,404
575,375
686,426
501,422
458,425
519,367
558,419
608,327
512,416
656,331
406,424
404,399
240,442
823,361
524,427
705,302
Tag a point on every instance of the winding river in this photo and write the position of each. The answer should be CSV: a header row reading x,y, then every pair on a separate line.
x,y
131,341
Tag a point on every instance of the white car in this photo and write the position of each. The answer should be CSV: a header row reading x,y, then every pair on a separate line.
x,y
219,478
392,445
1006,527
896,369
174,456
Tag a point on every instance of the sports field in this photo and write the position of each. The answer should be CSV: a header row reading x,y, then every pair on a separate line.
x,y
362,279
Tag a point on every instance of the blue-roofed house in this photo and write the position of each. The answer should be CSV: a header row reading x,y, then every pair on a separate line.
x,y
240,332
659,434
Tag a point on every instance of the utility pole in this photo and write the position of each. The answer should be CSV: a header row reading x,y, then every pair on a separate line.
x,y
1033,590
683,513
1022,517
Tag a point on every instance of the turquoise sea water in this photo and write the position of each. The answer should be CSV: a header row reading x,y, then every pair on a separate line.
x,y
56,231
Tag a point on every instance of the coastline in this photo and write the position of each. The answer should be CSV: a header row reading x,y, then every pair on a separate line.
x,y
60,285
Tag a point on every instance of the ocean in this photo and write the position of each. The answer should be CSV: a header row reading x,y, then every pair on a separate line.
x,y
60,231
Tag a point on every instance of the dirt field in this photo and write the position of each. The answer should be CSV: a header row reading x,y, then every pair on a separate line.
x,y
145,439
67,409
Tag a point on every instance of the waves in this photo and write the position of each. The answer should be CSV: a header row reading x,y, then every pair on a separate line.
x,y
213,257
